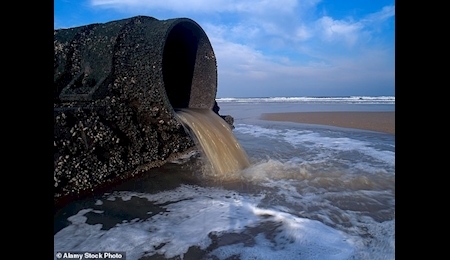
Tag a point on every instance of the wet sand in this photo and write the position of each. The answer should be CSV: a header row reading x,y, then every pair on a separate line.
x,y
373,121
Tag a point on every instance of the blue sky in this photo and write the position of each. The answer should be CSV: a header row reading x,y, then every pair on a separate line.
x,y
275,47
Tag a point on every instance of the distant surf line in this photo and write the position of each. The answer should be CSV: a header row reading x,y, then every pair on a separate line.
x,y
308,99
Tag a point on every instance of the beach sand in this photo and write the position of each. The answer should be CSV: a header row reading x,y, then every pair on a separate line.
x,y
373,121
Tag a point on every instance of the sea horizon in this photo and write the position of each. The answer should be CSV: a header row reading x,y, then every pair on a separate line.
x,y
352,99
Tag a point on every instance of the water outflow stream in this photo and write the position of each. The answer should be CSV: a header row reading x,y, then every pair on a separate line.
x,y
216,139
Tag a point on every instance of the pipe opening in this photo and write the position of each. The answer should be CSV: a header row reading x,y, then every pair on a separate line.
x,y
190,77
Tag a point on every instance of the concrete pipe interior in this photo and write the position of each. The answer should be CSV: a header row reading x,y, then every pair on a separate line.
x,y
189,67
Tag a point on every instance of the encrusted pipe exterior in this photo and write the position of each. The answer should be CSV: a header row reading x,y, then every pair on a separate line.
x,y
116,88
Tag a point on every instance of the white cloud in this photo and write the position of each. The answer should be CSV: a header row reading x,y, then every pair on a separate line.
x,y
303,33
385,13
265,6
290,30
336,30
244,6
257,19
237,59
241,67
245,31
187,5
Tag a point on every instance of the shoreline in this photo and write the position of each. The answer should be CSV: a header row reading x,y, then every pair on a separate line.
x,y
372,121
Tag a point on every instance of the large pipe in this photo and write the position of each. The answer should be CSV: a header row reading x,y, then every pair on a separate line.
x,y
116,86
173,55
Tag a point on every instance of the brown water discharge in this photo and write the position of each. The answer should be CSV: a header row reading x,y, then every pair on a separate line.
x,y
216,139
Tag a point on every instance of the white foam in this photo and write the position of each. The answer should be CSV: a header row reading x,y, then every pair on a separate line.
x,y
192,213
337,199
315,100
323,146
328,195
298,238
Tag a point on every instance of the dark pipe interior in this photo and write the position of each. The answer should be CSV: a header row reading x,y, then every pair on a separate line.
x,y
178,63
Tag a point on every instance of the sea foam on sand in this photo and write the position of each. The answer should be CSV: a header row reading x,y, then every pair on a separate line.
x,y
191,214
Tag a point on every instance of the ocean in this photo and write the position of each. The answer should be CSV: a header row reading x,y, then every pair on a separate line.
x,y
310,192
